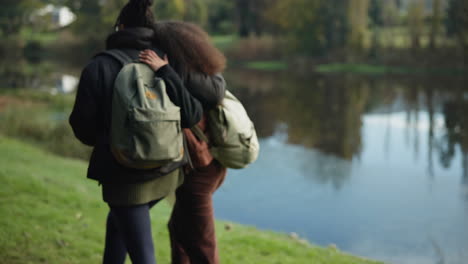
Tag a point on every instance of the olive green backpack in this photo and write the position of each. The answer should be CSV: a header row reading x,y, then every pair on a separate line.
x,y
145,125
233,140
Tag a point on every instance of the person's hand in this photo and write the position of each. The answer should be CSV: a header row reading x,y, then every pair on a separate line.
x,y
152,59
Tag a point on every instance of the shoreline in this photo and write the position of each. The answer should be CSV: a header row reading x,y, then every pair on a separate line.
x,y
65,217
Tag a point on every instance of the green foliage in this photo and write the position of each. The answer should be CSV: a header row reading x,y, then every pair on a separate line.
x,y
358,22
327,28
18,73
41,119
390,13
333,20
436,21
95,20
196,12
457,21
299,19
383,13
169,10
251,17
221,17
14,15
376,12
416,22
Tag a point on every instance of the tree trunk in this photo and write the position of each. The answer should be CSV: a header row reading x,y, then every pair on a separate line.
x,y
435,23
243,11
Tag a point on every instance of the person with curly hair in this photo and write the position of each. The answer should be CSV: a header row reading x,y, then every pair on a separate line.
x,y
199,64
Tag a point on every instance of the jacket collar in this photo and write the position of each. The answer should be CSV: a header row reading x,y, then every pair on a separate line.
x,y
130,38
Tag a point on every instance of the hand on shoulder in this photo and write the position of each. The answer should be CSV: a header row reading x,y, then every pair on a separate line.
x,y
152,59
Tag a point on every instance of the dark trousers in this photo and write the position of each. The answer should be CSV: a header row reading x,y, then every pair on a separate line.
x,y
191,226
129,230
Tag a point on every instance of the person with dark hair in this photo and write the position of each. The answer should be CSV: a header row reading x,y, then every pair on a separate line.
x,y
199,63
129,192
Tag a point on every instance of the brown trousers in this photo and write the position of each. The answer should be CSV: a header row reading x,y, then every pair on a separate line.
x,y
191,226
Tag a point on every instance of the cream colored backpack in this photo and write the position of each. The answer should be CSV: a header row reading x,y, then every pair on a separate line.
x,y
233,141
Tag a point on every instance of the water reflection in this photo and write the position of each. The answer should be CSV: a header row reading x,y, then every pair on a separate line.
x,y
381,163
19,73
325,112
320,112
314,165
456,124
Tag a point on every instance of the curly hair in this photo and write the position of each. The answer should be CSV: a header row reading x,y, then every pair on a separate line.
x,y
188,48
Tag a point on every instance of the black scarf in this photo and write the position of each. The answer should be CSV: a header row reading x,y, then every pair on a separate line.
x,y
130,38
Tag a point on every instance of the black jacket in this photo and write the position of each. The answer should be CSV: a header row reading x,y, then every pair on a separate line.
x,y
91,115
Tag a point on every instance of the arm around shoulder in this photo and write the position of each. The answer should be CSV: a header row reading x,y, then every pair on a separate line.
x,y
208,89
191,108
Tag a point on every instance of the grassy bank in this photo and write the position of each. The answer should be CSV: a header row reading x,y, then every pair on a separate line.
x,y
267,65
51,214
359,68
274,53
353,68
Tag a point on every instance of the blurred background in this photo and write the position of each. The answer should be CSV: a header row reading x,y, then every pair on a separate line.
x,y
360,106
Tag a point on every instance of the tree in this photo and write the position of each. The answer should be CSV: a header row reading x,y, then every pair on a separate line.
x,y
315,26
90,25
169,10
358,11
457,23
251,16
436,21
15,15
416,22
300,20
221,16
196,11
376,12
243,13
376,19
333,21
95,20
390,13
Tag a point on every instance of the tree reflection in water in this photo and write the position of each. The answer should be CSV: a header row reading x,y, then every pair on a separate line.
x,y
456,126
324,112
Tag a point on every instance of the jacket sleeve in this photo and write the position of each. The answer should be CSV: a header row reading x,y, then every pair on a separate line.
x,y
208,89
191,109
83,118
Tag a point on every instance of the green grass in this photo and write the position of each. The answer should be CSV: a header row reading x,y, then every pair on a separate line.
x,y
52,214
381,69
267,65
224,42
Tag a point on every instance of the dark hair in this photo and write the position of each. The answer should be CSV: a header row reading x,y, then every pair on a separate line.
x,y
136,13
188,48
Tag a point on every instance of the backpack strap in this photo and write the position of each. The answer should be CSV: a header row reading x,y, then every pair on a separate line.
x,y
199,133
119,55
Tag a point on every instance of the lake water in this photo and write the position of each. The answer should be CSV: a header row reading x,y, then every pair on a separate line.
x,y
377,166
